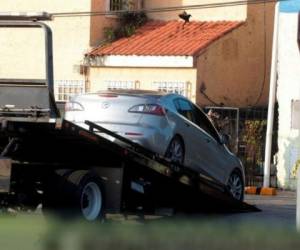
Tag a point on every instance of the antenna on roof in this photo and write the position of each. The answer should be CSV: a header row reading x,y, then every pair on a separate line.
x,y
25,16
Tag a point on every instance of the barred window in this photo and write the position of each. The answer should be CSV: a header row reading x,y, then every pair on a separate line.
x,y
181,88
65,89
116,5
110,85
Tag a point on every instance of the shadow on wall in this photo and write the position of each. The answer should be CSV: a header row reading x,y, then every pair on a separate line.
x,y
236,68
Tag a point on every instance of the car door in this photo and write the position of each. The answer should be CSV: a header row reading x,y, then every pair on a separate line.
x,y
216,157
194,141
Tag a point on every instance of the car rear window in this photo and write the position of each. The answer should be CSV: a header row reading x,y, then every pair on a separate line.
x,y
184,108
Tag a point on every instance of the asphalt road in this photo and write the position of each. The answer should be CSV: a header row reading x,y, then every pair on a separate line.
x,y
279,210
276,211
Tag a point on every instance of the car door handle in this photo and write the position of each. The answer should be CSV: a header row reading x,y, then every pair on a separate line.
x,y
207,140
186,124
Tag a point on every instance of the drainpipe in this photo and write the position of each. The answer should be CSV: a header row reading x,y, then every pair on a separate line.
x,y
272,95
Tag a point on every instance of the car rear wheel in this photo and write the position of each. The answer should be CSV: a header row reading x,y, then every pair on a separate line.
x,y
175,151
236,186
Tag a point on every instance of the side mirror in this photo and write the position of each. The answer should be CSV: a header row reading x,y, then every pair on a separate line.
x,y
225,139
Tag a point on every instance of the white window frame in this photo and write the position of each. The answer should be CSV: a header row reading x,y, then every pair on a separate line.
x,y
176,87
65,89
121,84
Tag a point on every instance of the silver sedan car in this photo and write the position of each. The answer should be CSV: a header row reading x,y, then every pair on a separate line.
x,y
168,124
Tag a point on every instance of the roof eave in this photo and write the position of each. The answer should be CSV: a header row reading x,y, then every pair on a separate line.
x,y
186,61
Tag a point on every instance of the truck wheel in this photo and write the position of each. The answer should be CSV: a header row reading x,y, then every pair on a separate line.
x,y
87,198
74,194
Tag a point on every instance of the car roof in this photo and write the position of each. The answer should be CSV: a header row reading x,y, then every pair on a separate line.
x,y
135,93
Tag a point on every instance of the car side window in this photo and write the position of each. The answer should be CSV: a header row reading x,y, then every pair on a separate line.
x,y
203,122
184,108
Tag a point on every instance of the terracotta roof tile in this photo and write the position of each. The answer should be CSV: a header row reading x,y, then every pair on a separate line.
x,y
170,38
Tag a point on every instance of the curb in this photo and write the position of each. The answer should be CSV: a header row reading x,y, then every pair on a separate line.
x,y
260,191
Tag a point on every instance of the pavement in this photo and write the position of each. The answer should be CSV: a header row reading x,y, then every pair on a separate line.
x,y
277,210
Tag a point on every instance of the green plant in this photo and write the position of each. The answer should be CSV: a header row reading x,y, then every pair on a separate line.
x,y
253,137
109,33
296,168
129,21
132,18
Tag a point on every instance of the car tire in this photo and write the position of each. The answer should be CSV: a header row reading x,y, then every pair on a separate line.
x,y
175,151
235,185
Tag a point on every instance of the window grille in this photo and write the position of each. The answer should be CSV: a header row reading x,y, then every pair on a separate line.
x,y
181,88
115,5
121,84
65,89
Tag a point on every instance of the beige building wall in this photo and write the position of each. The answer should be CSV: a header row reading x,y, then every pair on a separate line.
x,y
71,39
143,77
235,70
99,22
22,51
221,13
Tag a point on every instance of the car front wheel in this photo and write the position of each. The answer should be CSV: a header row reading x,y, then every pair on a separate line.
x,y
236,186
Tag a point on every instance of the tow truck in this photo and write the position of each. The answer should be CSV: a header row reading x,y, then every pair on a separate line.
x,y
91,171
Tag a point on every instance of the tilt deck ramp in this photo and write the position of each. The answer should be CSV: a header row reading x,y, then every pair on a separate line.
x,y
202,191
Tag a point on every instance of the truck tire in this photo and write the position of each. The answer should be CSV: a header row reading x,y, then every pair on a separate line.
x,y
80,194
87,198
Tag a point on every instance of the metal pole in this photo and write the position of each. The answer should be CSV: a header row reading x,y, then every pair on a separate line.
x,y
298,39
272,95
298,201
298,172
48,57
237,131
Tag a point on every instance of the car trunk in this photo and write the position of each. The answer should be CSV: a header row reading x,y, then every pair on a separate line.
x,y
110,108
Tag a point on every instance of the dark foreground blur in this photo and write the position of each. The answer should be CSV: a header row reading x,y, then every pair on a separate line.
x,y
37,232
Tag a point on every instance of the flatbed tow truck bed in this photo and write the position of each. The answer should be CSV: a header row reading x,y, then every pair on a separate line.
x,y
131,175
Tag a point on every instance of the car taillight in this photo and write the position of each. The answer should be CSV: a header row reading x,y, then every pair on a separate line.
x,y
152,109
73,106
